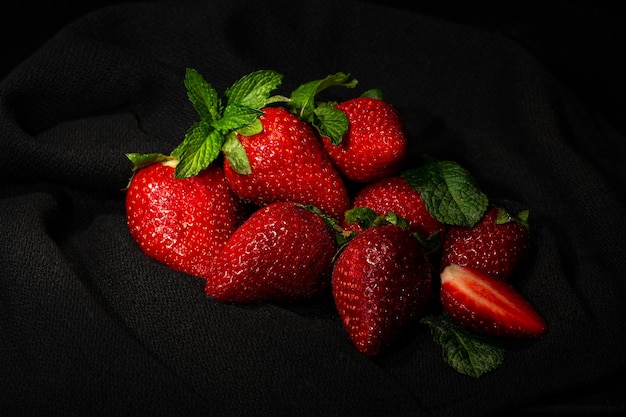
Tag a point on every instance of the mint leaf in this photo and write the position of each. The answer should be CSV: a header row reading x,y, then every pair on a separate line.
x,y
235,117
328,121
303,98
204,139
251,129
450,193
236,155
465,352
198,150
202,95
331,122
253,90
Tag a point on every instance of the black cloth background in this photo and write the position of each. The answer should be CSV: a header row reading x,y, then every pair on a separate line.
x,y
91,326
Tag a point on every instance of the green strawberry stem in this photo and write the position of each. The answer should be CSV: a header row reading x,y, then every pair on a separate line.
x,y
342,236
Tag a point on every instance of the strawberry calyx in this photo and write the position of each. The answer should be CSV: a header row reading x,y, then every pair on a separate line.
x,y
342,236
367,218
323,116
505,216
329,121
142,160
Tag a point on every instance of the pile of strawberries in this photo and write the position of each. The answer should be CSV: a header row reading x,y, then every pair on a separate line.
x,y
283,199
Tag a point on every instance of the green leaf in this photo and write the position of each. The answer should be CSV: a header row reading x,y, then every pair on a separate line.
x,y
303,98
342,236
199,149
253,90
251,129
236,155
449,191
141,160
202,95
464,351
373,93
505,217
393,218
364,216
331,122
235,117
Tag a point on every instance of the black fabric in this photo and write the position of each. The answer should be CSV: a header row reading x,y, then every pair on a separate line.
x,y
91,326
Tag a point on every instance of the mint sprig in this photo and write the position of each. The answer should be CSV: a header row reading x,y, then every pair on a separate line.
x,y
450,192
466,352
238,109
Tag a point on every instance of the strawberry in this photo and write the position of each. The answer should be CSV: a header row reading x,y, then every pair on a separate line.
x,y
488,305
496,244
365,137
394,194
281,253
381,282
287,163
375,144
182,222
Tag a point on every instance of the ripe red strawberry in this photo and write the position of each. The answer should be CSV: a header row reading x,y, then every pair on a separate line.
x,y
394,194
376,143
488,305
288,164
494,245
381,282
282,253
182,222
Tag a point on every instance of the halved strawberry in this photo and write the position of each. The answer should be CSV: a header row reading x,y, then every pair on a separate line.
x,y
182,222
381,282
488,305
282,253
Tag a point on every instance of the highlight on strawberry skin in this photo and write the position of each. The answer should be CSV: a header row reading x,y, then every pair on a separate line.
x,y
488,305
